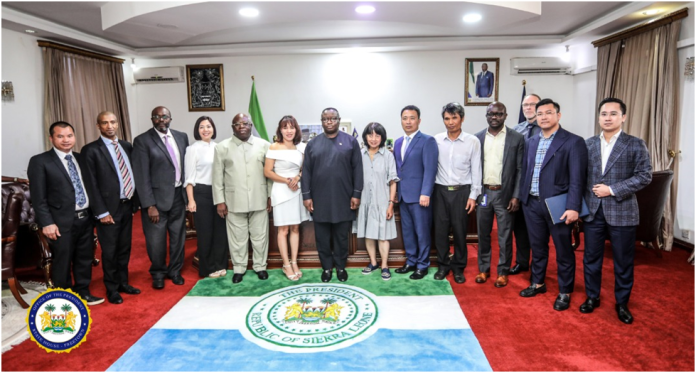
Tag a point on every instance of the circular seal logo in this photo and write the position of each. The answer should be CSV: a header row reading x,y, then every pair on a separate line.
x,y
312,318
58,320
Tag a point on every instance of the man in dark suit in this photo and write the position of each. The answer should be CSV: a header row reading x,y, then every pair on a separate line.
x,y
501,155
112,188
416,164
158,167
485,82
618,167
61,204
554,163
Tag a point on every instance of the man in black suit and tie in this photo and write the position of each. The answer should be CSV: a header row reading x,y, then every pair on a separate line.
x,y
501,156
158,167
61,203
618,167
112,188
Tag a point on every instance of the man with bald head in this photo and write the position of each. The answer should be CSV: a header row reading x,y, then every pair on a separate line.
x,y
111,185
158,167
242,195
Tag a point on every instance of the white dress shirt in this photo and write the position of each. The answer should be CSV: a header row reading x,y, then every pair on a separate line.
x,y
459,162
62,155
403,149
199,163
606,148
172,142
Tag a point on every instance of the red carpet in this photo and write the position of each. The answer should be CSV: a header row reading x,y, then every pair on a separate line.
x,y
517,334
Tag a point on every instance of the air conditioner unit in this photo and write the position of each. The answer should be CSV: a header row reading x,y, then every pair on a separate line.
x,y
166,74
539,65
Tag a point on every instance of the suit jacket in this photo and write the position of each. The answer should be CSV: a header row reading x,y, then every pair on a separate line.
x,y
564,169
102,178
52,191
512,162
485,84
418,168
154,170
628,170
238,178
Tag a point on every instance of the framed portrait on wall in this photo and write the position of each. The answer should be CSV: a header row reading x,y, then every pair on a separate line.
x,y
206,87
481,81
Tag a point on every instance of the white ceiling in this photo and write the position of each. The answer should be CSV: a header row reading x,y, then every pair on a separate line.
x,y
177,29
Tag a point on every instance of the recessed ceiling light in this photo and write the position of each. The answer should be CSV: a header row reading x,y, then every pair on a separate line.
x,y
365,9
167,26
472,17
30,31
651,12
249,12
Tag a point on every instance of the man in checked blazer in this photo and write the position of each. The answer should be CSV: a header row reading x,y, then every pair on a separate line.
x,y
618,167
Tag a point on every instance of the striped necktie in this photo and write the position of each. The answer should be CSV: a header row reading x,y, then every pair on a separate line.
x,y
123,169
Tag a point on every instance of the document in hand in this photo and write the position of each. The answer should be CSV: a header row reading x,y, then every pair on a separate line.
x,y
557,207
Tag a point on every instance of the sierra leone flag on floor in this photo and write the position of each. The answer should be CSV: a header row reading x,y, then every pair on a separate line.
x,y
364,324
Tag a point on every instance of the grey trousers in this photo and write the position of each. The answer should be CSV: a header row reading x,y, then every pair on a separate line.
x,y
484,218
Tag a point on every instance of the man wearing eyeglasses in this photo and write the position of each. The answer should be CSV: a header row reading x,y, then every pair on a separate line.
x,y
242,195
158,165
554,163
501,154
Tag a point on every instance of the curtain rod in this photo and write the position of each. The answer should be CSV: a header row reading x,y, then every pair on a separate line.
x,y
643,27
82,52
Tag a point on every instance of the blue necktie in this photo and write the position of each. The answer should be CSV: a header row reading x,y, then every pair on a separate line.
x,y
408,141
80,197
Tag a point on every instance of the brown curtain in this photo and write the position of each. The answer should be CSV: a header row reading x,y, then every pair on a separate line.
x,y
77,88
643,71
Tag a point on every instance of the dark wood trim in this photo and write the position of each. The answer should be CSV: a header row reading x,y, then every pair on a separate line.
x,y
684,245
81,52
643,27
12,179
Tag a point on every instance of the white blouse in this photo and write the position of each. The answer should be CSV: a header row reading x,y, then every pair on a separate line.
x,y
198,163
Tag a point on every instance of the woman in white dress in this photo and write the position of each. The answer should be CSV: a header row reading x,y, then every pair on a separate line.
x,y
283,166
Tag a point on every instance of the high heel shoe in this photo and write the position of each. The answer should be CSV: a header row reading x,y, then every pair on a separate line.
x,y
298,273
292,277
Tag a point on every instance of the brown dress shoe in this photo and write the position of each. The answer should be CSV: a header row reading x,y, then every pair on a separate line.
x,y
501,281
482,277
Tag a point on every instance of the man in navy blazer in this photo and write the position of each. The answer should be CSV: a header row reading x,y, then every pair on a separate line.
x,y
416,164
485,82
554,163
618,167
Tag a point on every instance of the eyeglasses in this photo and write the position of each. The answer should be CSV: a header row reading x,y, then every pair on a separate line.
x,y
326,120
548,113
499,115
163,117
240,124
529,105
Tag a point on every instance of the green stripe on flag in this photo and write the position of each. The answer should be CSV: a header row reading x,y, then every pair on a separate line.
x,y
255,112
471,72
251,286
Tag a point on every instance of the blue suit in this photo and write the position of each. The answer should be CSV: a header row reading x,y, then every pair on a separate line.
x,y
485,84
563,170
417,172
628,170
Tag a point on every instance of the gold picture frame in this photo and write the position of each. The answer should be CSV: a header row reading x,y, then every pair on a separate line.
x,y
206,87
481,90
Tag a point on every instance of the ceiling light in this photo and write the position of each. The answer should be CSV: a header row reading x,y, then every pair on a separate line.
x,y
651,12
472,17
30,31
365,9
249,12
167,26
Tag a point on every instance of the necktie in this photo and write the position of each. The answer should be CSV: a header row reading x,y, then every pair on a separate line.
x,y
530,131
80,197
170,149
125,175
408,141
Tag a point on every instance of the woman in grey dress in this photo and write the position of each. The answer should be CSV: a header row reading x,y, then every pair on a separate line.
x,y
375,221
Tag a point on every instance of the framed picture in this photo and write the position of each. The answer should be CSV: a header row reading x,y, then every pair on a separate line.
x,y
206,87
310,131
481,81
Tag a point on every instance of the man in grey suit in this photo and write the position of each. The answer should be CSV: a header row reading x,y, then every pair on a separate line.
x,y
158,165
501,155
618,167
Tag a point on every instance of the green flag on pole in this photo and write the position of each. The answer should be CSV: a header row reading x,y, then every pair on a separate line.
x,y
255,112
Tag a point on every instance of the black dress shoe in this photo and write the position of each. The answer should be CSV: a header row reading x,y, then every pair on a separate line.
x,y
263,275
326,275
125,288
459,277
114,298
441,274
177,279
158,283
562,302
237,278
92,300
405,269
342,275
517,269
532,290
589,305
624,314
418,274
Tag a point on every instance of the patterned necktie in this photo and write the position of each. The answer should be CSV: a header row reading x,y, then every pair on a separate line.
x,y
408,141
80,197
172,154
125,175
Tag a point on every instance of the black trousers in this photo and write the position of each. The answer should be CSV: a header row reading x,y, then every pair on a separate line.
x,y
174,223
211,232
449,210
522,240
115,242
73,252
337,234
